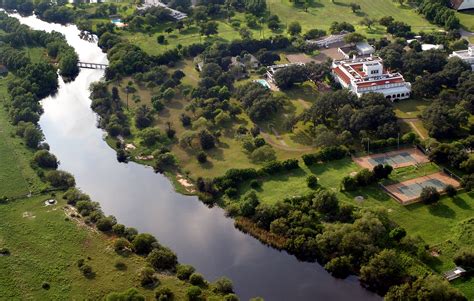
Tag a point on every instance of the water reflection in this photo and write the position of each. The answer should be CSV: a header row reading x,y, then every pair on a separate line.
x,y
140,198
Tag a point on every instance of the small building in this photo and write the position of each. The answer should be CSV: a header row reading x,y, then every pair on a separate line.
x,y
362,49
365,75
465,55
176,14
454,273
271,70
426,47
462,4
3,70
248,60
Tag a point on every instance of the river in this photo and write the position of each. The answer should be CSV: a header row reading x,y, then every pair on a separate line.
x,y
138,197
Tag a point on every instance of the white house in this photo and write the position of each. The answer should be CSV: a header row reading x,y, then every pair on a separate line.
x,y
465,55
462,4
367,75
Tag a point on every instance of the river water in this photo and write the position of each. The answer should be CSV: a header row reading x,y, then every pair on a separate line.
x,y
201,236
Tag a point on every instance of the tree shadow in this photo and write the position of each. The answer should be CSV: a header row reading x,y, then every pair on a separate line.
x,y
441,210
461,203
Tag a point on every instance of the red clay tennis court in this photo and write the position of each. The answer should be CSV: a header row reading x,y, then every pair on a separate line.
x,y
409,191
396,159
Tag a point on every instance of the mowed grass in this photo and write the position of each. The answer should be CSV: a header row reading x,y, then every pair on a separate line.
x,y
45,247
410,108
17,178
322,13
467,19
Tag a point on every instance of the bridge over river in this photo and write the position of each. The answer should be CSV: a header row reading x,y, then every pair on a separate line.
x,y
91,65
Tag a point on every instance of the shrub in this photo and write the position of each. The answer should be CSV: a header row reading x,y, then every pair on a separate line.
x,y
143,243
73,195
339,267
45,159
349,183
122,245
429,195
231,297
193,293
118,229
148,278
86,270
128,295
263,154
184,271
164,294
162,259
4,251
46,285
364,177
60,179
202,157
105,224
312,181
397,234
450,190
197,279
223,286
120,265
465,259
254,184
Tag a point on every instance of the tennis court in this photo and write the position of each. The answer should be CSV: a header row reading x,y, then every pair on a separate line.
x,y
409,191
396,159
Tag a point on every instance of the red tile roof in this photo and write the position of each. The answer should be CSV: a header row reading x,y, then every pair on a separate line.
x,y
342,76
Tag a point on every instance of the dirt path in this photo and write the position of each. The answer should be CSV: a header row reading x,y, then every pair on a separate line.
x,y
411,122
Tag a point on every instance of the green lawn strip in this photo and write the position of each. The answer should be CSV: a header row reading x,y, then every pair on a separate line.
x,y
467,19
45,247
411,108
322,13
16,175
411,172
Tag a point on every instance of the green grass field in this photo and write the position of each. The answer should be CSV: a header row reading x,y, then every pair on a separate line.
x,y
17,178
467,19
324,12
437,224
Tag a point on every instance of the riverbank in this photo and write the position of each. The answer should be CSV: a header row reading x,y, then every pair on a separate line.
x,y
140,198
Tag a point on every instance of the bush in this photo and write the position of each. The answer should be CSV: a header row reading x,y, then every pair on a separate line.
x,y
45,159
118,229
339,267
164,294
105,224
120,265
197,279
4,251
86,270
263,154
397,234
450,190
193,293
312,181
128,295
46,285
143,243
429,195
202,157
223,286
148,278
162,259
364,177
60,179
465,259
254,184
231,297
184,271
348,183
122,245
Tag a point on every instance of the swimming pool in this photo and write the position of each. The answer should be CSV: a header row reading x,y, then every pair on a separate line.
x,y
263,83
115,21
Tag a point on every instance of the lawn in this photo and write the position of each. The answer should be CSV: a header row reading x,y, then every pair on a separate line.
x,y
410,108
16,176
411,172
45,247
467,19
322,13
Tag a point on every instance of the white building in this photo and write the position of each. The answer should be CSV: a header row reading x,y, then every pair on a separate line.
x,y
367,75
176,14
465,55
462,4
328,40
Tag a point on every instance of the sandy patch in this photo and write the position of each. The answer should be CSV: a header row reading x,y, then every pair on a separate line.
x,y
130,146
185,183
28,215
